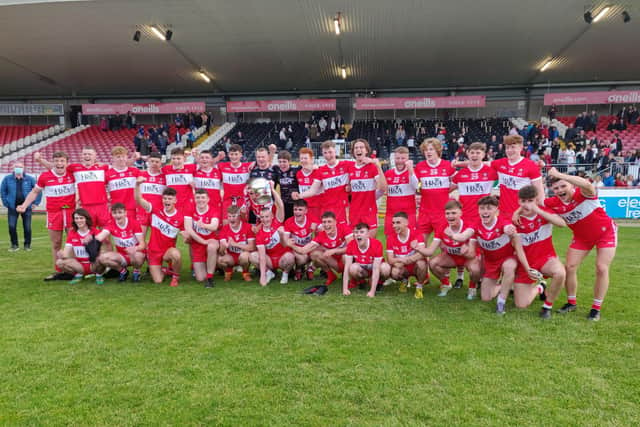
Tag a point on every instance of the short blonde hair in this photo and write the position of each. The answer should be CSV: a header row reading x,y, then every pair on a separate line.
x,y
119,150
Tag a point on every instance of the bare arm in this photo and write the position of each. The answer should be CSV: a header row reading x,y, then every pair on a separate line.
x,y
33,194
43,162
429,250
588,190
262,260
314,190
141,202
554,219
345,276
375,277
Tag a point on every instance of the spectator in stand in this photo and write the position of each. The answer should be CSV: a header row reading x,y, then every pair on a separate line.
x,y
333,125
581,156
633,115
273,155
571,159
553,133
580,139
630,181
581,121
322,124
593,121
616,145
14,188
178,122
597,181
128,120
104,126
621,181
493,142
163,141
282,136
401,135
555,150
240,139
562,159
616,125
552,112
623,115
608,180
570,133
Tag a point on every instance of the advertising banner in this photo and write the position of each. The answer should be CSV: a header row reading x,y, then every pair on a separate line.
x,y
148,108
31,110
620,202
583,98
423,102
281,105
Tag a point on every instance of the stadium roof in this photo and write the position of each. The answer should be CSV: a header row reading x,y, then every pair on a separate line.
x,y
85,48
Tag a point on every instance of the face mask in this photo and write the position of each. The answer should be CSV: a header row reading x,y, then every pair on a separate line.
x,y
18,171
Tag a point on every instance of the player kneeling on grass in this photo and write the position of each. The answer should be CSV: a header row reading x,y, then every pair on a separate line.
x,y
535,224
501,248
363,260
404,257
457,249
237,241
298,231
166,223
129,241
327,250
205,220
271,253
74,257
577,202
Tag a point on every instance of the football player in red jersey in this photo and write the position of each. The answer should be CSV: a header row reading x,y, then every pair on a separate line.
x,y
514,172
333,178
363,259
237,241
306,176
474,182
151,189
401,190
576,201
121,180
205,220
534,224
179,176
298,231
501,248
129,242
235,175
74,258
327,249
403,255
59,189
166,223
457,248
366,178
208,177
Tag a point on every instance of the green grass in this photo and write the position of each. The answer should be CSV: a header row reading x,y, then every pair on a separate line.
x,y
242,355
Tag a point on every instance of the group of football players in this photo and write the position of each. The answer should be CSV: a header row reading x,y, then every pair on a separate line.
x,y
321,221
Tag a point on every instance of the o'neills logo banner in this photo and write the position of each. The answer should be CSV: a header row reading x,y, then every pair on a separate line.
x,y
149,108
281,105
423,102
577,98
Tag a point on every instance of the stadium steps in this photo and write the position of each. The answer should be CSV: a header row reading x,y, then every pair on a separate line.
x,y
216,136
28,135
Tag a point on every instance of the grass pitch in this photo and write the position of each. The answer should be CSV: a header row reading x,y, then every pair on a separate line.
x,y
238,354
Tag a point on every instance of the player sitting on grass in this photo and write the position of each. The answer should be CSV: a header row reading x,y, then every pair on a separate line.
x,y
166,223
363,260
74,257
129,241
457,249
271,254
535,224
501,250
205,220
577,202
403,255
298,231
237,241
327,250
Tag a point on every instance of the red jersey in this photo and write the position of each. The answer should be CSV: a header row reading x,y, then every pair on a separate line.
x,y
583,215
122,186
243,235
74,240
513,177
401,191
300,235
125,237
494,243
210,181
334,181
402,248
60,190
164,229
305,181
151,190
535,233
447,244
271,240
472,186
365,257
435,183
337,241
363,186
234,180
90,182
181,180
206,217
